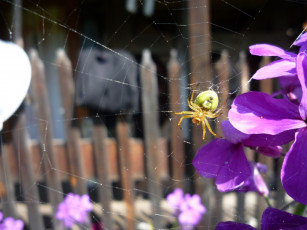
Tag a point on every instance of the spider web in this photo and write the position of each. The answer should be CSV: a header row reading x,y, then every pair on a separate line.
x,y
109,26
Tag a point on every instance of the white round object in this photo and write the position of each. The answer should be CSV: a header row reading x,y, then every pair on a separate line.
x,y
15,78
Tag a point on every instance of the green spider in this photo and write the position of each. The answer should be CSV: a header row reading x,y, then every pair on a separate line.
x,y
202,108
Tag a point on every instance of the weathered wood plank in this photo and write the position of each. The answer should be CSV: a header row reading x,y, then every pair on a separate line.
x,y
151,132
22,152
42,110
72,133
7,184
201,75
200,53
102,162
177,147
125,168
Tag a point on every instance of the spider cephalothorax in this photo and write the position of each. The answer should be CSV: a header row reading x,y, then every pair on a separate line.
x,y
202,108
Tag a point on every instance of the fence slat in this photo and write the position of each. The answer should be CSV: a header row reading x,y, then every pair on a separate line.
x,y
201,73
21,144
177,147
102,166
124,154
151,131
200,56
72,133
7,196
42,110
222,68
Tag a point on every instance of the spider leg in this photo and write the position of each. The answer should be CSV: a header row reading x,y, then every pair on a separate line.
x,y
209,127
183,117
193,106
204,129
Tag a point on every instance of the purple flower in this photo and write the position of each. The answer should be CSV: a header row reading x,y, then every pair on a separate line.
x,y
175,199
272,219
188,208
225,160
302,42
10,223
191,211
255,182
284,67
256,112
189,218
229,225
192,203
275,219
74,209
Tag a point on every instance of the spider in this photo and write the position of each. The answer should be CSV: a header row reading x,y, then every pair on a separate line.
x,y
203,107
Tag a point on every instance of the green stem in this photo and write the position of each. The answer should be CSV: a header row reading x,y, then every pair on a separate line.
x,y
267,201
299,209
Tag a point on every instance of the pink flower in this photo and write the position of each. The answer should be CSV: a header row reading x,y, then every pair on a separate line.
x,y
74,209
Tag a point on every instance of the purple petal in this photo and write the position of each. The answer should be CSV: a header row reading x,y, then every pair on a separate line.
x,y
175,198
210,158
302,40
291,88
294,170
257,112
271,151
264,140
258,183
234,171
189,218
231,134
195,203
270,50
289,82
303,48
228,225
280,68
275,219
302,72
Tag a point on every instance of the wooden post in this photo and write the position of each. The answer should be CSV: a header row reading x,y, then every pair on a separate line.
x,y
244,70
201,73
72,133
124,155
7,184
222,68
102,166
42,109
151,132
200,53
23,153
177,147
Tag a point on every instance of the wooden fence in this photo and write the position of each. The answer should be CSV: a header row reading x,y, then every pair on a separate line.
x,y
152,167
